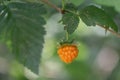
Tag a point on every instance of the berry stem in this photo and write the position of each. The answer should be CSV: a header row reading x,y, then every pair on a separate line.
x,y
67,36
63,4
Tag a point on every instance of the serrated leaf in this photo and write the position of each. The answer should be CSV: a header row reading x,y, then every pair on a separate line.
x,y
70,21
4,18
33,8
26,32
92,15
71,7
114,3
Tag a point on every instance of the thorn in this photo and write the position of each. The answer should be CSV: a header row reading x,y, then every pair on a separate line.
x,y
106,28
65,27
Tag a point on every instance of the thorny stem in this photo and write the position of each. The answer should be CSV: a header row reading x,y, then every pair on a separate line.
x,y
113,32
60,10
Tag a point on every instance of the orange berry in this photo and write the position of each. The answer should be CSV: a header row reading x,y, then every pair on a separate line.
x,y
68,52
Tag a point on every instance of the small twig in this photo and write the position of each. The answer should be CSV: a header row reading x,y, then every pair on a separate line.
x,y
60,10
52,5
113,32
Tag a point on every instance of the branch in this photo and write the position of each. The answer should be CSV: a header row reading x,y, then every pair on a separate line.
x,y
52,5
113,32
60,10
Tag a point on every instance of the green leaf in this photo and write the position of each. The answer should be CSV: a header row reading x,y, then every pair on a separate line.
x,y
26,32
70,21
1,1
70,7
114,3
4,18
110,10
92,15
70,18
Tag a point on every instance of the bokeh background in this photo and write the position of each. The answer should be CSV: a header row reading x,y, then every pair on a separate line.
x,y
99,53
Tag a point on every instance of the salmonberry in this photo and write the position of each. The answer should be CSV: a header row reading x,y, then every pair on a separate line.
x,y
68,52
